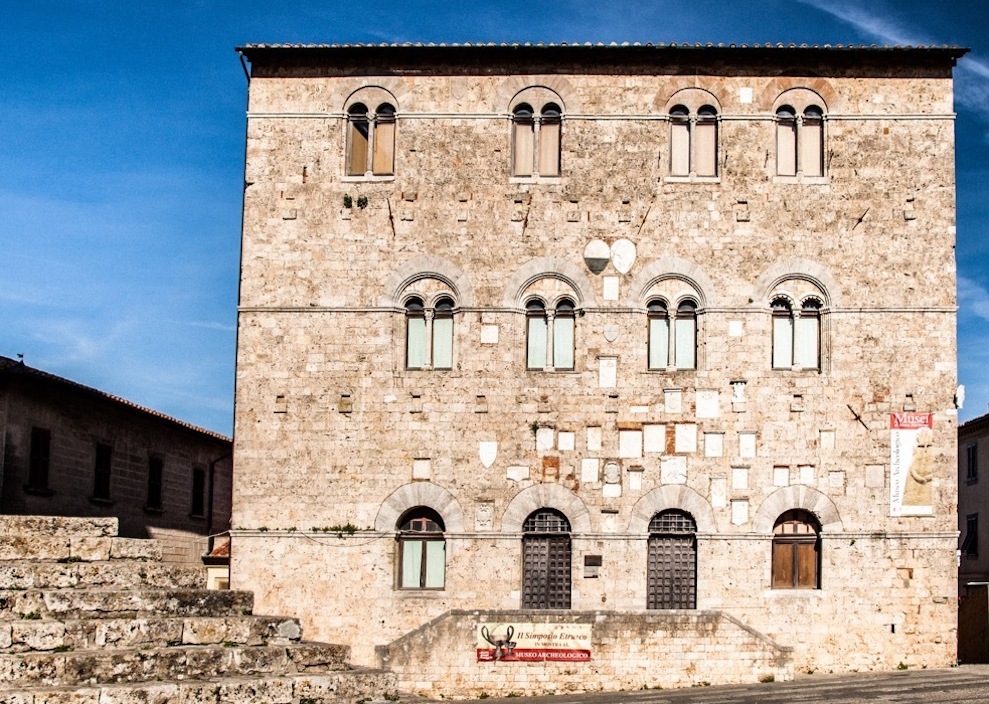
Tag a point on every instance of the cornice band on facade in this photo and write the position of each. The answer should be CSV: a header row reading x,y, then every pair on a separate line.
x,y
584,117
366,535
761,310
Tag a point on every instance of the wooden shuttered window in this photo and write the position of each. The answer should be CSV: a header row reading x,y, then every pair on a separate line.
x,y
706,142
796,558
523,141
812,142
383,160
786,141
549,141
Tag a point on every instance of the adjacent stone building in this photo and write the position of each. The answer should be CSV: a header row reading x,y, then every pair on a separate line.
x,y
72,450
973,500
645,349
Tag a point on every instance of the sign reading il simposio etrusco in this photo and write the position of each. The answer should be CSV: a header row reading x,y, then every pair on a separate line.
x,y
534,642
911,464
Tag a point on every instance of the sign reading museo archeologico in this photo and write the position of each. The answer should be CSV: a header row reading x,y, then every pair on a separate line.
x,y
911,464
534,642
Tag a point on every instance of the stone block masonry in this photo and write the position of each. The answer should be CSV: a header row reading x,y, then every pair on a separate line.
x,y
601,329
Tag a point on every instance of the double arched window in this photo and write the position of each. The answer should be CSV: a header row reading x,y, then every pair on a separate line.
x,y
672,334
421,549
799,133
797,551
796,333
429,333
371,140
693,141
536,140
550,335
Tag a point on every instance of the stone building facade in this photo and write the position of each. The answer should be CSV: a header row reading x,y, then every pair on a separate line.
x,y
72,450
973,501
538,330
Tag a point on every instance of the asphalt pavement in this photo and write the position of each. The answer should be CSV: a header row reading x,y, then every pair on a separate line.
x,y
967,684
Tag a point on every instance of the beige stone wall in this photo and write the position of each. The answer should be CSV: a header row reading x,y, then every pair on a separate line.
x,y
329,423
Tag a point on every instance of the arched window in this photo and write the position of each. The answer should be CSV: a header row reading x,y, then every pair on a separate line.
x,y
672,339
536,140
371,140
549,140
536,338
421,550
443,334
429,333
796,334
800,134
807,335
693,141
659,334
686,336
811,133
358,139
672,561
797,551
550,335
786,141
384,141
563,335
546,563
415,334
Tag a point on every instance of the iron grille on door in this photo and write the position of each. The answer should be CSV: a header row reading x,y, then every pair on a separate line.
x,y
672,569
546,561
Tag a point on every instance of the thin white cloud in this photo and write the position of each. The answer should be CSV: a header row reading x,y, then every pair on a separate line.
x,y
971,74
211,325
973,298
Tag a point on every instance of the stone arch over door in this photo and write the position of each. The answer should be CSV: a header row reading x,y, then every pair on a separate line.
x,y
801,497
672,496
546,496
420,494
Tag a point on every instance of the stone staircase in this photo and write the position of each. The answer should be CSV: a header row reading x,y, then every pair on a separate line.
x,y
87,617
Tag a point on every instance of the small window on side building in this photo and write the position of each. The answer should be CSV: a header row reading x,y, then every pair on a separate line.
x,y
972,463
40,459
101,479
198,491
156,465
970,545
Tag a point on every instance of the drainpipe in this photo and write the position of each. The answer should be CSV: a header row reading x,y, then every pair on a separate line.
x,y
209,509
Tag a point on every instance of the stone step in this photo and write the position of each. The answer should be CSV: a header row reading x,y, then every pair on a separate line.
x,y
76,549
103,574
33,604
146,632
39,526
151,664
341,687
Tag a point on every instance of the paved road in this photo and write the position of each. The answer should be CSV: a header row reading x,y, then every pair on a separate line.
x,y
968,684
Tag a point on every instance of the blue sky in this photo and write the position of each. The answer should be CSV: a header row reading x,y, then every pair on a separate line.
x,y
121,159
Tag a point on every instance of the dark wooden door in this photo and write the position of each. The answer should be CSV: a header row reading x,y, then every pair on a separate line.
x,y
546,572
672,569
